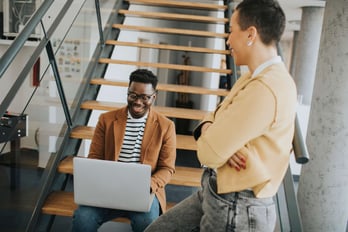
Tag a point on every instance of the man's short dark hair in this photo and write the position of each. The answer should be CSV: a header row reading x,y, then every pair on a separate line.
x,y
266,15
144,76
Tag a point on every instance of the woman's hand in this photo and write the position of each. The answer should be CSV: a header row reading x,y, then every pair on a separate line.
x,y
237,161
205,126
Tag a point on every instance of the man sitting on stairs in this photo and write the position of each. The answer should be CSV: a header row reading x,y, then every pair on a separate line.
x,y
134,133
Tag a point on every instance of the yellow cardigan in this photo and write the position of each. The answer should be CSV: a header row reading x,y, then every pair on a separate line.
x,y
257,119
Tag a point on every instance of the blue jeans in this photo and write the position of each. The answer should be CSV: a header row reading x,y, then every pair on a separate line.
x,y
88,218
208,211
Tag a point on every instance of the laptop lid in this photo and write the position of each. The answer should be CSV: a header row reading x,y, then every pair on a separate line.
x,y
111,184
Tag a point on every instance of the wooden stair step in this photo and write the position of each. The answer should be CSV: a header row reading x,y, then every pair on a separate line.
x,y
166,66
59,203
171,112
166,87
62,203
171,16
185,142
168,47
171,31
187,176
183,176
179,4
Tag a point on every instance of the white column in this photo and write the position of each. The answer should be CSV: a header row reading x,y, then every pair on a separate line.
x,y
307,51
323,185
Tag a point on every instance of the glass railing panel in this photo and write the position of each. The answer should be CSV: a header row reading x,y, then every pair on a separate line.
x,y
22,174
73,46
74,49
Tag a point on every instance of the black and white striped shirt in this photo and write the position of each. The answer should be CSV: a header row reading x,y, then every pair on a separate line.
x,y
131,147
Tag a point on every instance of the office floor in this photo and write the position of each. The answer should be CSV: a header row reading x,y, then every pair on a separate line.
x,y
20,187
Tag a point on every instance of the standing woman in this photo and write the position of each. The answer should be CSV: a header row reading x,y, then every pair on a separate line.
x,y
246,143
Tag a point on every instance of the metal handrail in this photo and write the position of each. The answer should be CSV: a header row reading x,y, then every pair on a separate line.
x,y
101,33
301,157
299,145
230,64
23,36
19,42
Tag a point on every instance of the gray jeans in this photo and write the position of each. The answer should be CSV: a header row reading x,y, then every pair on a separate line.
x,y
208,211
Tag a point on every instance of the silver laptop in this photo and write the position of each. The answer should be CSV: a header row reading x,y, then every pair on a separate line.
x,y
111,184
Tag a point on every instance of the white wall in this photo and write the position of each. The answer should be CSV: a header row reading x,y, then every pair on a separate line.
x,y
8,79
45,119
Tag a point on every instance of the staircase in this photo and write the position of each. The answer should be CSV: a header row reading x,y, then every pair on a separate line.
x,y
59,200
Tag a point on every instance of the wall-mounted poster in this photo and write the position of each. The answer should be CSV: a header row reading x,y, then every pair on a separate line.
x,y
68,57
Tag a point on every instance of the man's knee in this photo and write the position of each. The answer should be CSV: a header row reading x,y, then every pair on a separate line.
x,y
86,215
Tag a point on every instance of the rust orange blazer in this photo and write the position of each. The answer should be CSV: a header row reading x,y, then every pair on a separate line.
x,y
158,147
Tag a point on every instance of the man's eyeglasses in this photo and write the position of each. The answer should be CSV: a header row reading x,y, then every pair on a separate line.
x,y
143,97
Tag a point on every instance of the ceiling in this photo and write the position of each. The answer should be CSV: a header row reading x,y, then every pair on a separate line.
x,y
293,12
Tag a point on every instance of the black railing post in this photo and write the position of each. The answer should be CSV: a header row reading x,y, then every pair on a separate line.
x,y
52,61
231,78
101,34
291,202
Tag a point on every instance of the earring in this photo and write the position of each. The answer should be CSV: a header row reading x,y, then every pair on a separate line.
x,y
249,43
